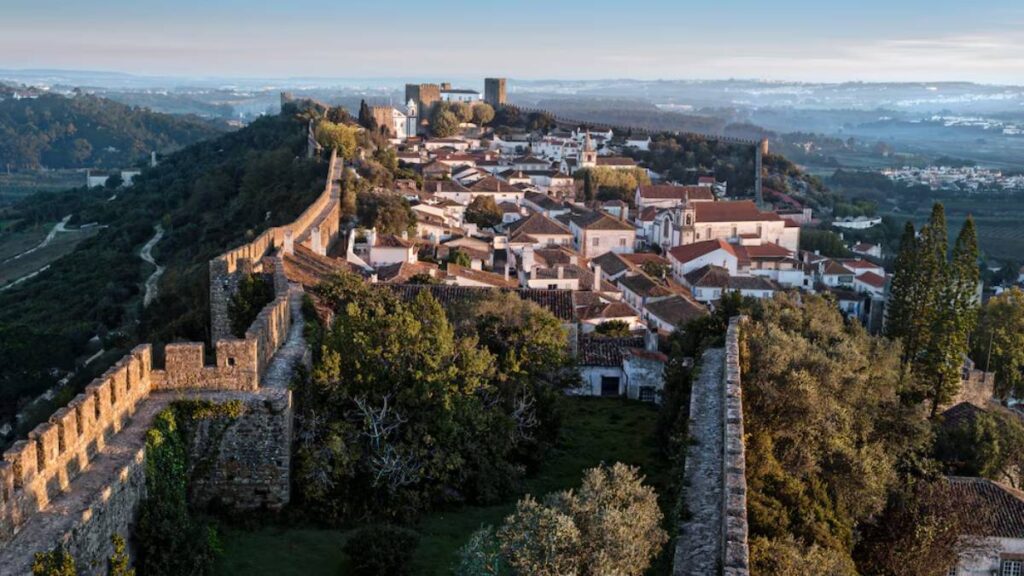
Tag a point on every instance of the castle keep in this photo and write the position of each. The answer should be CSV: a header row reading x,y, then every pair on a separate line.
x,y
79,478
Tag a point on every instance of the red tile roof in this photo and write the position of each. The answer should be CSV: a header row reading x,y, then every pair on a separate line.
x,y
689,252
872,279
734,211
673,192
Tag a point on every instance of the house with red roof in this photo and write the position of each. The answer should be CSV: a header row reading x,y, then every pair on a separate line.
x,y
688,257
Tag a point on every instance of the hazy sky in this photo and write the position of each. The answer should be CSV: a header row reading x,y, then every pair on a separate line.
x,y
811,40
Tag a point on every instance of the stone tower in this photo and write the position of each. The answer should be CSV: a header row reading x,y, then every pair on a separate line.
x,y
588,156
494,91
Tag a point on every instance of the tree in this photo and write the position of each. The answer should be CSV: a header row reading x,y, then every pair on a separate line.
x,y
612,525
444,123
484,212
903,297
483,113
463,111
459,258
998,342
988,444
923,531
119,562
337,136
613,329
655,269
366,117
254,292
114,181
956,318
56,562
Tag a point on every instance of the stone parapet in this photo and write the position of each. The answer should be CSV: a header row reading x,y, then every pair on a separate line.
x,y
735,546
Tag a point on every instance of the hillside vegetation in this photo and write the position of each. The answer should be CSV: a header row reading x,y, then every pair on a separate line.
x,y
54,131
208,197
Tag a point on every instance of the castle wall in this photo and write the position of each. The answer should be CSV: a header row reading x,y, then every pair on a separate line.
x,y
244,463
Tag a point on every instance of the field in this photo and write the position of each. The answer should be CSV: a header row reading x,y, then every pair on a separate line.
x,y
595,430
13,266
17,185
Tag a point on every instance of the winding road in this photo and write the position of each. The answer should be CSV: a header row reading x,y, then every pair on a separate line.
x,y
57,228
147,254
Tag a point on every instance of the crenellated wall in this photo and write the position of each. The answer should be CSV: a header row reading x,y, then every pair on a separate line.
x,y
79,477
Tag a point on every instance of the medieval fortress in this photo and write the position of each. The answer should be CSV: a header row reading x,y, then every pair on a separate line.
x,y
79,478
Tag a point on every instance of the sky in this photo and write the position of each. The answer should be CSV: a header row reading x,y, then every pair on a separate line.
x,y
795,40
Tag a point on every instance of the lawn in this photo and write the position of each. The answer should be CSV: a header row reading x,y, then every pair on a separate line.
x,y
595,430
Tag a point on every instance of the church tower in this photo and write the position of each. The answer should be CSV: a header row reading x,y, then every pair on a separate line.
x,y
588,156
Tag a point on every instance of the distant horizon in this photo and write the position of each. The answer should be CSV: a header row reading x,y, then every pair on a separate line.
x,y
871,41
441,77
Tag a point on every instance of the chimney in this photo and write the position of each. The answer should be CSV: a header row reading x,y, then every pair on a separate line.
x,y
561,272
597,278
526,259
506,270
289,242
405,234
350,245
651,340
371,237
373,278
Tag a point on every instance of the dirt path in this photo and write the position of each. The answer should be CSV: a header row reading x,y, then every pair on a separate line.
x,y
147,254
57,228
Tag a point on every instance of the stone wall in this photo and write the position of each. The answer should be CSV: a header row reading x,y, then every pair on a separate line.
x,y
36,470
736,551
244,463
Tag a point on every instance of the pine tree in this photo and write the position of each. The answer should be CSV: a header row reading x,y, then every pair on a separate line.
x,y
120,564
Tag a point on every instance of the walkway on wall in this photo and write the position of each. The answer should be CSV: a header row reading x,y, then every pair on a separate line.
x,y
699,546
294,350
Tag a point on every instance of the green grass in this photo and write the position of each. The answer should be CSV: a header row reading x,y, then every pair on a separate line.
x,y
595,430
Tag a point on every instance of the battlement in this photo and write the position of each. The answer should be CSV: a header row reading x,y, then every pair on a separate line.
x,y
35,470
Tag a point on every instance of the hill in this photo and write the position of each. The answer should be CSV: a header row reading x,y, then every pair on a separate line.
x,y
83,131
206,197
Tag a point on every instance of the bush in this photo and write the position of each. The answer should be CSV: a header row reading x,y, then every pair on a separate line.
x,y
381,550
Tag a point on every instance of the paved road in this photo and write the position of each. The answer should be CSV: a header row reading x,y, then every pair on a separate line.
x,y
698,548
147,255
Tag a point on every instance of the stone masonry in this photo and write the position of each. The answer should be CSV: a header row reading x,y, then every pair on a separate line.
x,y
713,539
78,478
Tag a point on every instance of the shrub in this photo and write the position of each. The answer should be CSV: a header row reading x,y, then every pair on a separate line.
x,y
381,550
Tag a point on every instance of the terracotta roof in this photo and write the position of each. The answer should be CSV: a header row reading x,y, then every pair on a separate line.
x,y
689,252
872,279
558,302
647,354
534,225
607,310
708,276
676,310
309,269
443,186
615,161
647,214
599,221
401,272
637,259
544,201
863,247
735,211
673,192
492,184
855,263
508,208
490,278
607,352
833,268
554,256
643,285
960,414
611,263
1001,508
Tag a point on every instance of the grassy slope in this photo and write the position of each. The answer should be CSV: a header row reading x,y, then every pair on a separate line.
x,y
595,431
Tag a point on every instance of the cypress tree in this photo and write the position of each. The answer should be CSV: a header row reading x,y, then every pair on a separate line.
x,y
366,119
901,301
956,321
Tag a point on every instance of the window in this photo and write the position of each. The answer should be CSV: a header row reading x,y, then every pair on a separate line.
x,y
622,241
609,385
689,219
596,242
552,286
647,393
1011,568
